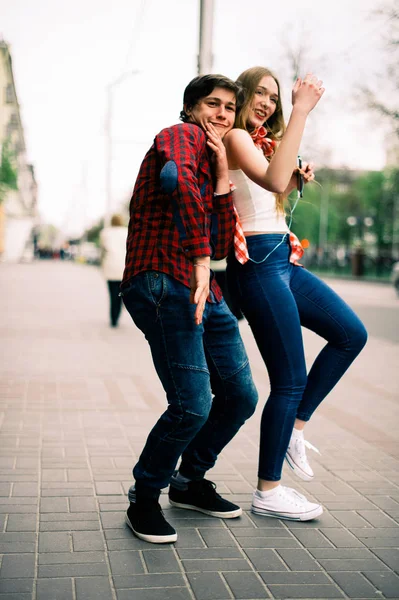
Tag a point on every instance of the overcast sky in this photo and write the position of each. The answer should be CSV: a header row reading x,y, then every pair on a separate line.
x,y
66,53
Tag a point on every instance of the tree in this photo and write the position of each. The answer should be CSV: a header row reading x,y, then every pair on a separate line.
x,y
8,173
385,101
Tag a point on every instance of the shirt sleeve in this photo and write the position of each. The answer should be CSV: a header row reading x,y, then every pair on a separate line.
x,y
223,225
180,149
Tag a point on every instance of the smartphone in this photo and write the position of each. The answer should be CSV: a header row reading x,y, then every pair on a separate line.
x,y
300,181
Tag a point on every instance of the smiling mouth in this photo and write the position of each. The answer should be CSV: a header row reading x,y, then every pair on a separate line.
x,y
260,114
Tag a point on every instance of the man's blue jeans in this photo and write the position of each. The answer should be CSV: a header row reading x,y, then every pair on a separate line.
x,y
193,363
278,298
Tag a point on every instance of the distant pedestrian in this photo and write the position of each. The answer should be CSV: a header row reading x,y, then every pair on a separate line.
x,y
113,247
181,214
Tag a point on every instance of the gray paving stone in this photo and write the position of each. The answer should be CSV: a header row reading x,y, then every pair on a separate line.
x,y
299,560
273,542
350,518
87,540
64,558
228,564
377,518
126,563
312,538
156,594
19,508
69,525
22,523
5,489
246,585
54,589
264,532
17,565
17,596
164,580
385,582
209,553
305,591
79,505
72,570
162,561
54,542
53,505
359,553
390,557
354,585
215,538
300,578
384,502
16,586
208,586
377,532
93,588
352,564
17,547
197,520
341,538
265,560
190,538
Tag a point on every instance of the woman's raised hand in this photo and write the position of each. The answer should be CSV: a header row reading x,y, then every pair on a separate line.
x,y
307,92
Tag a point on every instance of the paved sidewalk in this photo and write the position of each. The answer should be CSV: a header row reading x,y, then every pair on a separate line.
x,y
77,400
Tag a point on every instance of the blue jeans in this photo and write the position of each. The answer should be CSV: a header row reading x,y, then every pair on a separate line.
x,y
193,363
277,298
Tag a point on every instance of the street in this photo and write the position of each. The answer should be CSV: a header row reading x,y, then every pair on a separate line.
x,y
77,400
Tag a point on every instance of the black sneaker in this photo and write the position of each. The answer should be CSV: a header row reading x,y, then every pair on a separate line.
x,y
202,496
146,520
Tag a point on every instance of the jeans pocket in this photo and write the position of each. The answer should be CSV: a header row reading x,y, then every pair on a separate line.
x,y
157,286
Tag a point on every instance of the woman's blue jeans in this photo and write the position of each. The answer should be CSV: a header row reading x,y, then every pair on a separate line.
x,y
277,298
194,363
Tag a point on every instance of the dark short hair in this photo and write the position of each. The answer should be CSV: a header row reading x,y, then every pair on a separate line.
x,y
202,85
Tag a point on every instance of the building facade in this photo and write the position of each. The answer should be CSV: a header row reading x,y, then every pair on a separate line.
x,y
18,207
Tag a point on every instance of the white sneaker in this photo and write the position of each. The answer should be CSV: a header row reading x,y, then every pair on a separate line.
x,y
296,455
285,503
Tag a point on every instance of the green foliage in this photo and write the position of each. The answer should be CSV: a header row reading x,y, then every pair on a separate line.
x,y
369,200
8,173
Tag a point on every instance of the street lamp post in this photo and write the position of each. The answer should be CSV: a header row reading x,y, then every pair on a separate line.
x,y
108,143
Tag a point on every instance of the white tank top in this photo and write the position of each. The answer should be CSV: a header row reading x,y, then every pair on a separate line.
x,y
256,206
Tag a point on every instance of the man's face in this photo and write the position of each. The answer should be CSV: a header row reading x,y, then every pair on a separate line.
x,y
219,108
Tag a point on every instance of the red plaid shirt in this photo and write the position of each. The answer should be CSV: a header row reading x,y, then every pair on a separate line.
x,y
174,216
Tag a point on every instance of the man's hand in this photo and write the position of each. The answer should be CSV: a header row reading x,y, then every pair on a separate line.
x,y
199,288
214,141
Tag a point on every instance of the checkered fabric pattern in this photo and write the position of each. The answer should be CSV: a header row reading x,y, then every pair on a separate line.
x,y
240,243
174,215
241,249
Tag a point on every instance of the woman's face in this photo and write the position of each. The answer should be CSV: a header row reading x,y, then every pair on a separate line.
x,y
264,102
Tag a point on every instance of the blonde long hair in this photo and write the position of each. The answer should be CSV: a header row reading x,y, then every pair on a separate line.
x,y
249,80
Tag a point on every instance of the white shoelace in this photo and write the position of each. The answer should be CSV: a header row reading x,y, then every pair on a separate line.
x,y
311,447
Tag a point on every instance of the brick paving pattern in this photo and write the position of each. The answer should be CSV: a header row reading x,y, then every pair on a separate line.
x,y
77,400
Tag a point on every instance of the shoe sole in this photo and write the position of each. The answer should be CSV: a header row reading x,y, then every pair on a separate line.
x,y
312,514
153,539
222,515
297,470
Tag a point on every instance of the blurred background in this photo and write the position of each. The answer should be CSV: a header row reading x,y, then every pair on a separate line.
x,y
85,86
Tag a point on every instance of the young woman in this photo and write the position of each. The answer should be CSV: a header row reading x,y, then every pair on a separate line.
x,y
276,295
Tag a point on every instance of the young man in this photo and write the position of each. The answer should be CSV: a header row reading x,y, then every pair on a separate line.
x,y
181,214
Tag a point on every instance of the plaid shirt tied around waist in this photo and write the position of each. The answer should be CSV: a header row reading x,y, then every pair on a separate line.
x,y
241,249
